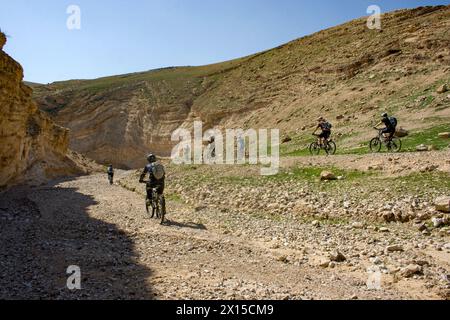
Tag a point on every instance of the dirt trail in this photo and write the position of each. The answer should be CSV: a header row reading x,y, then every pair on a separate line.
x,y
125,255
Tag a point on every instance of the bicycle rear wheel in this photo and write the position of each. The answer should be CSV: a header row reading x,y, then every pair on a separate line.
x,y
147,205
396,145
375,145
162,208
314,149
331,148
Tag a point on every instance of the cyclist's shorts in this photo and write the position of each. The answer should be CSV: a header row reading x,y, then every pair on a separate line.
x,y
388,130
160,187
325,134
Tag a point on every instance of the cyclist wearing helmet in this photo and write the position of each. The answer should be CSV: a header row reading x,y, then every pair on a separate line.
x,y
325,126
155,170
390,126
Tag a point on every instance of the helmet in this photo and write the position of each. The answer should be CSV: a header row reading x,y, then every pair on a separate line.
x,y
321,119
151,158
384,115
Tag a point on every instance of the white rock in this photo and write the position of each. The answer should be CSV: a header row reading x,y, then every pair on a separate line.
x,y
443,204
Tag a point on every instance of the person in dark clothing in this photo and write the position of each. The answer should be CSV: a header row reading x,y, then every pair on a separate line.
x,y
110,174
390,126
156,174
325,126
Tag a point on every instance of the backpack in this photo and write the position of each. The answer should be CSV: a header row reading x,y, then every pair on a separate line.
x,y
393,121
327,126
158,171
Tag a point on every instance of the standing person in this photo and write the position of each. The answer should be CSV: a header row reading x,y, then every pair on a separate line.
x,y
110,174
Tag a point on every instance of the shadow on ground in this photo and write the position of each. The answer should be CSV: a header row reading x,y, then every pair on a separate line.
x,y
190,225
47,229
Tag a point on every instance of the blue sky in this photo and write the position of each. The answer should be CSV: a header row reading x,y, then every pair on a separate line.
x,y
123,36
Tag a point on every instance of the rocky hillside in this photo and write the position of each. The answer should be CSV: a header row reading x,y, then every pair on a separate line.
x,y
33,148
347,73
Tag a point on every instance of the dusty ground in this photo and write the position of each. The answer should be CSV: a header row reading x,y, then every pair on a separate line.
x,y
205,252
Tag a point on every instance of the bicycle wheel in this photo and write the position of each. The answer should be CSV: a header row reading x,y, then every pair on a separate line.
x,y
396,145
331,148
375,145
314,148
147,205
155,206
162,206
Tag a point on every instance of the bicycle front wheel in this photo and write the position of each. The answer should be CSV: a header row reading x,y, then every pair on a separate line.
x,y
375,145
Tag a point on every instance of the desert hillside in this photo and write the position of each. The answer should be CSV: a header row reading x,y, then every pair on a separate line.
x,y
33,148
347,73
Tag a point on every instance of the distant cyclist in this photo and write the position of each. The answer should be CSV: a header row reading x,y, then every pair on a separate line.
x,y
390,124
110,174
325,126
157,176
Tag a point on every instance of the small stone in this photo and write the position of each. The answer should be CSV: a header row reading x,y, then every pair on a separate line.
x,y
324,263
384,229
394,248
438,222
444,135
315,223
422,148
442,204
337,256
442,89
411,270
327,176
358,225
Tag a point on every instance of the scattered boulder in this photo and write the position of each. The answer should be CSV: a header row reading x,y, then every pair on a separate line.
x,y
358,225
401,133
315,223
324,263
389,217
442,89
411,270
384,230
327,176
432,148
337,256
442,204
438,222
444,135
422,148
394,248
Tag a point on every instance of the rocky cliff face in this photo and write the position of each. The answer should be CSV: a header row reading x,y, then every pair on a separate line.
x,y
32,147
348,73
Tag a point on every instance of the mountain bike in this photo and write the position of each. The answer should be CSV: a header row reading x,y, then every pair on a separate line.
x,y
157,204
393,144
329,146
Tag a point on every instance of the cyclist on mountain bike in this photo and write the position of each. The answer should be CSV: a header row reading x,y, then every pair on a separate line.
x,y
110,174
325,126
157,175
390,124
